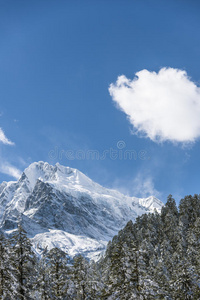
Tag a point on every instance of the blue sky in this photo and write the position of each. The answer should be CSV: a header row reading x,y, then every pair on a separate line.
x,y
57,62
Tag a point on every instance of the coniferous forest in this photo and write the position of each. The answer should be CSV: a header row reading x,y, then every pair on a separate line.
x,y
157,257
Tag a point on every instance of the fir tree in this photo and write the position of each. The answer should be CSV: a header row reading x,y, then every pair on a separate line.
x,y
80,276
43,280
56,268
24,264
6,276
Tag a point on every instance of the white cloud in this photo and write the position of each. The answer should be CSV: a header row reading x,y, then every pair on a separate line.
x,y
141,186
4,139
163,106
10,170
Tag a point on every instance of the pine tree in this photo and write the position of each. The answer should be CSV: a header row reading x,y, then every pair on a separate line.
x,y
183,282
80,274
43,281
6,277
93,281
24,264
56,268
169,218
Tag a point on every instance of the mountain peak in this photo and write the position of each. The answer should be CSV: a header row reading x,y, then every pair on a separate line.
x,y
58,201
38,170
65,170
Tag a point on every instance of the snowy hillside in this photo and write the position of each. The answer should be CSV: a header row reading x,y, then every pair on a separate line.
x,y
60,206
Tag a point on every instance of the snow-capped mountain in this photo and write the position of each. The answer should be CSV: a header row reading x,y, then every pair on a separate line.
x,y
60,206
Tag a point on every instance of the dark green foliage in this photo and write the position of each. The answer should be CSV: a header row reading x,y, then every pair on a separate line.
x,y
165,255
23,262
56,269
157,257
6,270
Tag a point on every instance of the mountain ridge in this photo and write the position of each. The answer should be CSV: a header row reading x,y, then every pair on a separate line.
x,y
61,206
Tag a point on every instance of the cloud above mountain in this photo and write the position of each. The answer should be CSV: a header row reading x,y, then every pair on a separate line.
x,y
142,186
163,106
5,166
8,169
4,139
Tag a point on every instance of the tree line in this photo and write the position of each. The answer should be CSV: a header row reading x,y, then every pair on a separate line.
x,y
157,257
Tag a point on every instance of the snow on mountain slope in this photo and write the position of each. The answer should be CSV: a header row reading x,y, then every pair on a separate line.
x,y
69,243
60,206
